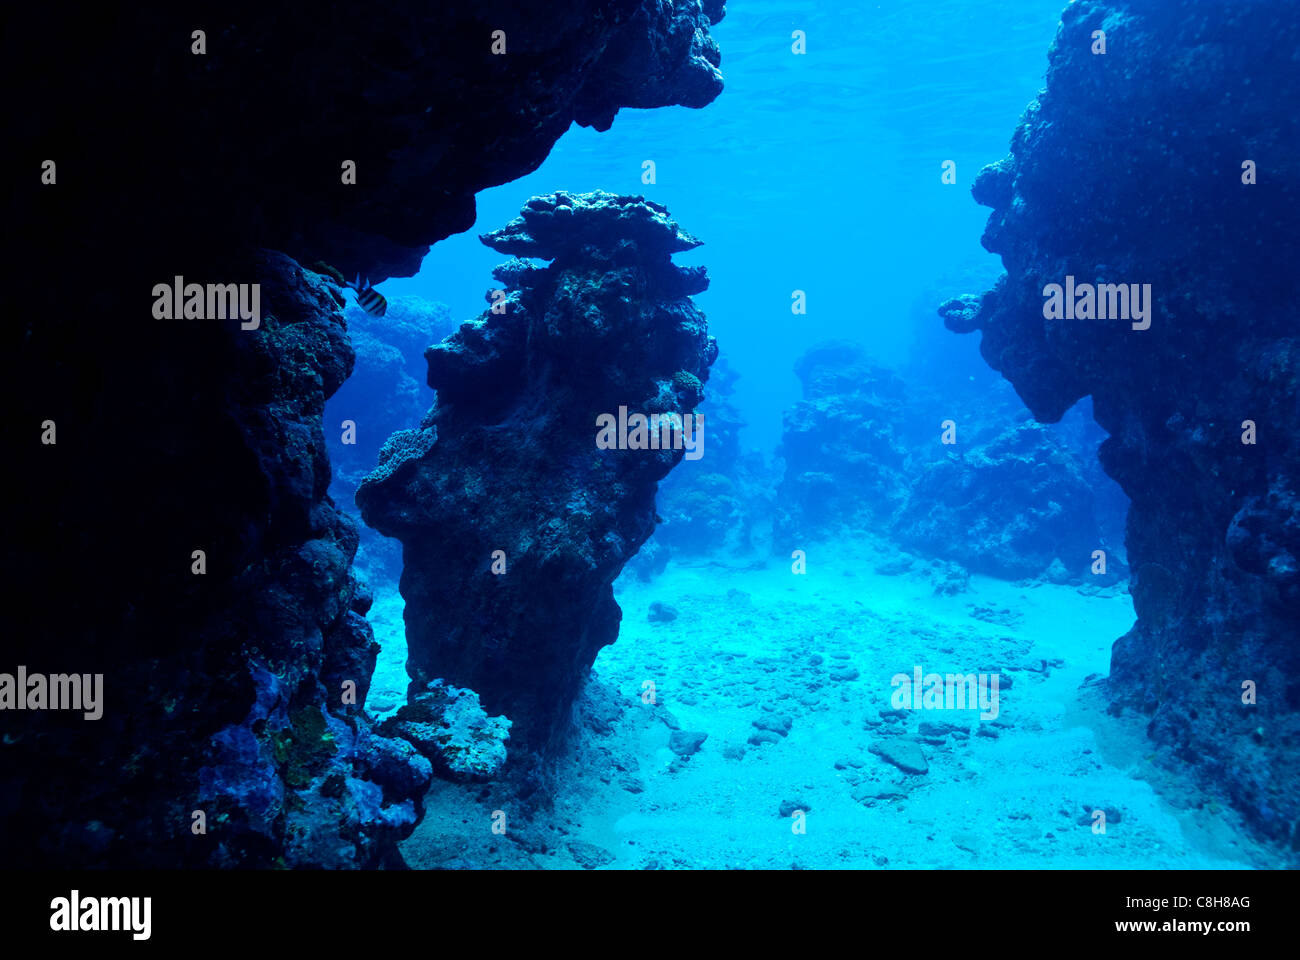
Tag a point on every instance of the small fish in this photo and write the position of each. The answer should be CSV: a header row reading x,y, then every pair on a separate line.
x,y
368,298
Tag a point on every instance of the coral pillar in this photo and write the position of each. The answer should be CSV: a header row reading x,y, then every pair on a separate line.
x,y
514,521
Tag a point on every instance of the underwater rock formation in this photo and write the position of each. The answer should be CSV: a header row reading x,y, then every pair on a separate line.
x,y
514,523
864,455
385,392
844,446
1191,185
712,505
241,628
353,135
1008,508
150,153
449,726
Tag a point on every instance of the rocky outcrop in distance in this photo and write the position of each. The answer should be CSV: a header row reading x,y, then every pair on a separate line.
x,y
1172,161
721,503
1011,507
864,455
845,446
514,521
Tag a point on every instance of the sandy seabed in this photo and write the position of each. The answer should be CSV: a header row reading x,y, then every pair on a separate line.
x,y
789,676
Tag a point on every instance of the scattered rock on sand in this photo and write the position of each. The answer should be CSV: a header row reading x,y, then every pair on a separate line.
x,y
893,568
790,806
941,728
1057,573
868,792
1001,616
590,856
661,613
1113,814
904,754
777,723
949,578
686,743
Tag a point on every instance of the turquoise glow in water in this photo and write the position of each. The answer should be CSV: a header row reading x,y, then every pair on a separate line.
x,y
823,173
818,172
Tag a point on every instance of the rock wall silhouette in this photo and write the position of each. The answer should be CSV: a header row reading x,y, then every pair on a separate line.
x,y
224,671
1134,166
249,138
223,690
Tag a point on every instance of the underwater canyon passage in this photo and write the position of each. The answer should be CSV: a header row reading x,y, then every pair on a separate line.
x,y
828,540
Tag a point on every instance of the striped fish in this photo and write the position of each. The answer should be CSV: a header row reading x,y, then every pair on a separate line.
x,y
368,298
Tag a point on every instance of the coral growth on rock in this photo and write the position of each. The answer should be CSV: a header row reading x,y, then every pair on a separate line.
x,y
864,455
1191,185
718,503
233,686
449,726
349,140
384,393
845,446
1008,508
514,523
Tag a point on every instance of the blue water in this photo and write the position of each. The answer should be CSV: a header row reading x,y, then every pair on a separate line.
x,y
822,173
818,172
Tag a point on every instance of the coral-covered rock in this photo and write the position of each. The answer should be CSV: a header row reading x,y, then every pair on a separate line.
x,y
650,561
1192,185
705,515
385,394
449,726
715,504
844,445
514,521
386,390
866,454
1007,508
234,677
